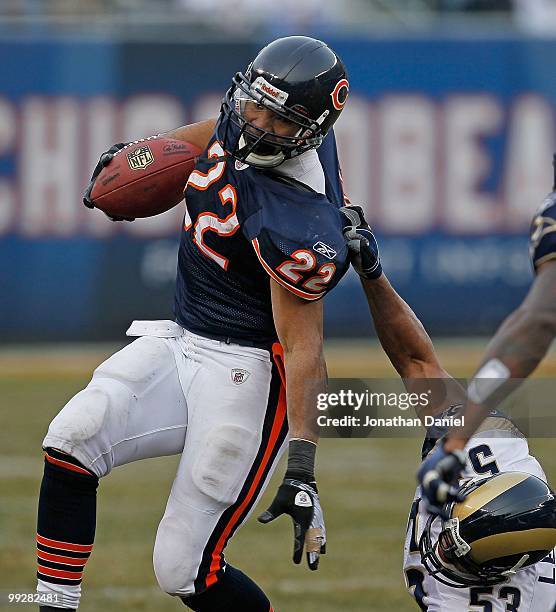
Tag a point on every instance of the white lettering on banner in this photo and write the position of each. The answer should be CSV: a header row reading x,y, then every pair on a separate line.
x,y
408,138
528,173
467,119
49,167
416,164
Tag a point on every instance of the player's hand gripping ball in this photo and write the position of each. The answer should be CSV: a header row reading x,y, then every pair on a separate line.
x,y
103,161
363,247
142,178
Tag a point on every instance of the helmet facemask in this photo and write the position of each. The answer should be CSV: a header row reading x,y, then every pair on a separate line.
x,y
253,145
449,561
441,559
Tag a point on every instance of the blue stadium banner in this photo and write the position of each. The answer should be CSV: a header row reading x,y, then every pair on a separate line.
x,y
450,163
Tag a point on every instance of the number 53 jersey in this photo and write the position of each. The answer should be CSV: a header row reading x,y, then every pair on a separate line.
x,y
497,447
244,227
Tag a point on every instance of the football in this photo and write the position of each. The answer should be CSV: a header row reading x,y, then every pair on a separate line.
x,y
145,178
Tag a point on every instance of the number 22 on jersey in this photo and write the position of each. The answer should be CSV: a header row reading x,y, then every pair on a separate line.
x,y
209,221
291,271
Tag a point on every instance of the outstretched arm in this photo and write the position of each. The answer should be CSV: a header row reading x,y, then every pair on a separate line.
x,y
401,334
513,354
409,347
525,336
410,350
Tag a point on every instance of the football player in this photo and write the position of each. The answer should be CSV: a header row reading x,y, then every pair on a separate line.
x,y
497,447
261,244
516,350
495,550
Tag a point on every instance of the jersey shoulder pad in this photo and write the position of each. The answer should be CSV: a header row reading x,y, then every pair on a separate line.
x,y
542,241
305,254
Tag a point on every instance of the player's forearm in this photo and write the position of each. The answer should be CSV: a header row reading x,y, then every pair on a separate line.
x,y
513,354
401,334
525,336
197,134
410,349
522,341
306,377
299,325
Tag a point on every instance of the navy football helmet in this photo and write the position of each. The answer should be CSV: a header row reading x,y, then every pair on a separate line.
x,y
301,80
507,522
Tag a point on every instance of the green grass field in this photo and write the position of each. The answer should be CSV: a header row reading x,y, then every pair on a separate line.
x,y
366,488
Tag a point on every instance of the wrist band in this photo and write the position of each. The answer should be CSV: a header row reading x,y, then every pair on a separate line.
x,y
301,458
487,380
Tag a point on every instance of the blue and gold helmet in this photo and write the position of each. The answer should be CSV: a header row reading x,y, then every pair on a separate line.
x,y
507,522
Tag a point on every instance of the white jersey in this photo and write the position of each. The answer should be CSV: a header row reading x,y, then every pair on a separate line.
x,y
533,589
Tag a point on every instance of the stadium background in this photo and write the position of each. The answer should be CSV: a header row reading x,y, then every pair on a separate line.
x,y
447,141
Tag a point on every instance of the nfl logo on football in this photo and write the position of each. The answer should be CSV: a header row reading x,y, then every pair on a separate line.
x,y
140,158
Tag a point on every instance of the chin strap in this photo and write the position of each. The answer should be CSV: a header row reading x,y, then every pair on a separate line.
x,y
264,161
516,567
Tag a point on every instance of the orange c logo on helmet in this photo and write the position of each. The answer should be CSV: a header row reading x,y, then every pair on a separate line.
x,y
340,94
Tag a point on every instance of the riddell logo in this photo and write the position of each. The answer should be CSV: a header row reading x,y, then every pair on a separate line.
x,y
261,85
270,91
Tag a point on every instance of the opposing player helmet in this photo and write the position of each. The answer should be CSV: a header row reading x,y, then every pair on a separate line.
x,y
507,522
301,80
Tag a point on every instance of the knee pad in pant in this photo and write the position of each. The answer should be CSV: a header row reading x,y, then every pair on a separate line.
x,y
83,428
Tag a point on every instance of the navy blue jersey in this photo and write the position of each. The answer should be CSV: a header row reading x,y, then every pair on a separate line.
x,y
542,243
243,227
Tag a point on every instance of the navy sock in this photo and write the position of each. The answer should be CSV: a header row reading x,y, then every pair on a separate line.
x,y
66,519
234,592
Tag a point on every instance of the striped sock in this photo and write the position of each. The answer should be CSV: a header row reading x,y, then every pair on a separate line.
x,y
65,527
61,562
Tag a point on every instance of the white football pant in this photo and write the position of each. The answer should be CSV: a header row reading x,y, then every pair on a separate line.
x,y
222,406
